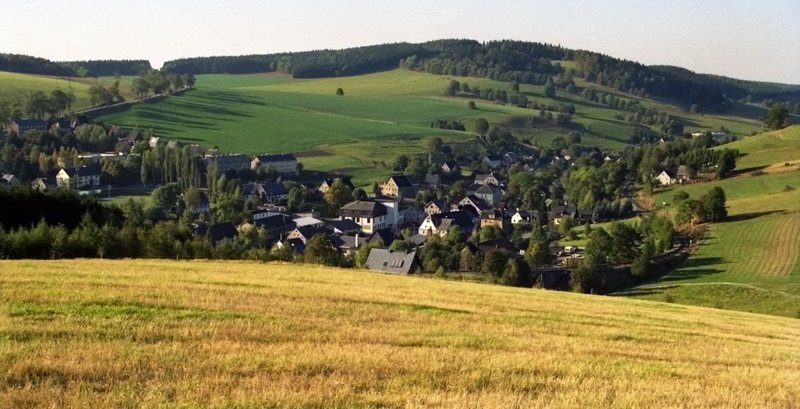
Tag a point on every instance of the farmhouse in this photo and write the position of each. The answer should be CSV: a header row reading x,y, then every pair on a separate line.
x,y
225,163
400,186
489,179
522,217
495,218
283,163
275,225
40,184
393,262
78,178
22,126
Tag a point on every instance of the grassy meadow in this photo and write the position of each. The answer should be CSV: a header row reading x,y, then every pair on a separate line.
x,y
18,87
151,334
380,116
752,261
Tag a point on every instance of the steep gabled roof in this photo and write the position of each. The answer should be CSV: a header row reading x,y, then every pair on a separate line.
x,y
403,181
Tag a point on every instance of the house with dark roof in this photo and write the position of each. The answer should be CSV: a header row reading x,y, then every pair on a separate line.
x,y
666,178
343,226
382,238
392,262
476,204
496,218
275,193
400,186
440,224
502,243
283,163
305,233
327,183
451,167
275,225
348,245
87,176
523,217
9,180
488,193
492,161
40,184
225,163
64,126
436,206
683,174
491,178
371,216
22,126
217,233
432,181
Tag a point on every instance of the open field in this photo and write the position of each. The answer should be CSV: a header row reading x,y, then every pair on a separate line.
x,y
95,333
757,249
18,87
770,148
275,113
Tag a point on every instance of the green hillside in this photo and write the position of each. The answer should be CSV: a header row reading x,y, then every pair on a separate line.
x,y
18,87
380,116
139,333
758,248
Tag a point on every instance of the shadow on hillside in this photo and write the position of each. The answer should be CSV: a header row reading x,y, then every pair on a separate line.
x,y
753,215
695,267
738,172
230,98
212,109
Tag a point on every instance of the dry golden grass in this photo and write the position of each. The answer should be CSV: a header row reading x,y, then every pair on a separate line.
x,y
94,333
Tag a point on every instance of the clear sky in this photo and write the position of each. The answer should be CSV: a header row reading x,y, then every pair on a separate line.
x,y
749,39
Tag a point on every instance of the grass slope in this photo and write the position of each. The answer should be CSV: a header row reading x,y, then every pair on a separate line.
x,y
758,248
380,116
18,87
95,333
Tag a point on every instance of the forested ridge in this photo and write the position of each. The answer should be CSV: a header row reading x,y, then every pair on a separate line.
x,y
521,61
506,60
25,64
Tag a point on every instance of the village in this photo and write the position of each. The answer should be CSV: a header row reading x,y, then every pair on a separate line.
x,y
390,222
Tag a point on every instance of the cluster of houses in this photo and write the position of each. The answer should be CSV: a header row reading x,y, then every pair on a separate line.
x,y
381,218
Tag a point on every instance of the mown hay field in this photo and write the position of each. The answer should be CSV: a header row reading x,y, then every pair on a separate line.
x,y
141,333
751,262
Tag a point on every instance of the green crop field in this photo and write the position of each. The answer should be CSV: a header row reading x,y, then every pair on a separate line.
x,y
153,334
380,116
18,87
752,261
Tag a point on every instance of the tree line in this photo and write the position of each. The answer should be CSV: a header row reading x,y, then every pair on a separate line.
x,y
25,64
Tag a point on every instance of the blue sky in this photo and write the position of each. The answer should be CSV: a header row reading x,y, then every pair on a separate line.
x,y
740,38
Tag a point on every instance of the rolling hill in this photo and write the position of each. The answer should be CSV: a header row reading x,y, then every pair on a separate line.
x,y
380,116
98,333
752,261
17,87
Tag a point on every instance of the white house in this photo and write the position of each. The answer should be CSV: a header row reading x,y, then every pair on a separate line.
x,y
371,216
665,178
78,178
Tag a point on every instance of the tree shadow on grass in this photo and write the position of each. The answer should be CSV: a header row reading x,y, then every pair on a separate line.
x,y
230,98
753,215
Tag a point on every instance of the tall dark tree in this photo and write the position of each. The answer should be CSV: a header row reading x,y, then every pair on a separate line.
x,y
777,117
714,204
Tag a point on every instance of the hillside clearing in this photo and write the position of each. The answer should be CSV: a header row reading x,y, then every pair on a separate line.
x,y
89,333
